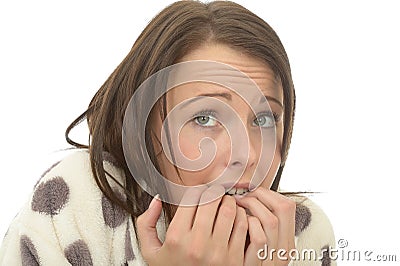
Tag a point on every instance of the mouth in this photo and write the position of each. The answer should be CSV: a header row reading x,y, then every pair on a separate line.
x,y
237,191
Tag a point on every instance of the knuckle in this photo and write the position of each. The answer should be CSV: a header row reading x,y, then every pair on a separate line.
x,y
194,255
172,240
259,240
198,245
227,210
217,259
241,211
242,226
272,223
287,205
241,220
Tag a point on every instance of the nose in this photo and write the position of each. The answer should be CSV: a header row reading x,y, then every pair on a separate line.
x,y
244,151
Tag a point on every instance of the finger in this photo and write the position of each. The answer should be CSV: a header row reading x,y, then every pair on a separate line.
x,y
269,221
275,201
284,209
146,227
206,213
184,215
224,221
258,241
237,240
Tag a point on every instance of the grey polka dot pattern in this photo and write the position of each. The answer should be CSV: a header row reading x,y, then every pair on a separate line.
x,y
303,218
326,260
113,214
29,256
51,196
78,254
129,255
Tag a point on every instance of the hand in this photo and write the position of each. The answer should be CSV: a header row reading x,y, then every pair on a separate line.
x,y
210,234
271,222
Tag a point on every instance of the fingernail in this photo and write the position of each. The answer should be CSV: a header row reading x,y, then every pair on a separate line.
x,y
252,187
238,197
153,201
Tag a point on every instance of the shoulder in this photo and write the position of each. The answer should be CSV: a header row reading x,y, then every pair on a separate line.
x,y
313,231
70,175
75,169
69,186
68,219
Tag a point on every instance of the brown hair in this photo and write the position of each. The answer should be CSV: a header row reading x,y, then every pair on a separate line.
x,y
175,31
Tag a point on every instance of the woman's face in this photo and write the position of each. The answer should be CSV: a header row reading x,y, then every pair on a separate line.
x,y
220,134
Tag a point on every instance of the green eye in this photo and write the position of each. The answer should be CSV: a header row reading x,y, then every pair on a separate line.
x,y
264,120
205,120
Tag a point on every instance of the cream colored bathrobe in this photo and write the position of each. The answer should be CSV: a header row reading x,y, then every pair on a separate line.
x,y
68,221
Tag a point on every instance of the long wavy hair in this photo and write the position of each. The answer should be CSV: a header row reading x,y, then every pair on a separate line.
x,y
177,30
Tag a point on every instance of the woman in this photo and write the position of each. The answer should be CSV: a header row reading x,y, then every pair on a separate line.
x,y
227,79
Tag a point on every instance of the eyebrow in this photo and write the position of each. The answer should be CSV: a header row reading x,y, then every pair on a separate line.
x,y
228,97
272,99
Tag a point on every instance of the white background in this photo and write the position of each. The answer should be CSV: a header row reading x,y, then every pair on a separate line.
x,y
344,58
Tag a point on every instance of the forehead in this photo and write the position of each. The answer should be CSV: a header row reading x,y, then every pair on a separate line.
x,y
259,73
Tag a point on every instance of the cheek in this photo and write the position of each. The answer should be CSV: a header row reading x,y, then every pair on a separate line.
x,y
195,144
202,150
194,152
267,182
189,144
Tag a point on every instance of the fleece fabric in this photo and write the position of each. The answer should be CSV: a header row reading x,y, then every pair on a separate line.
x,y
68,221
